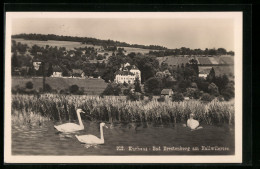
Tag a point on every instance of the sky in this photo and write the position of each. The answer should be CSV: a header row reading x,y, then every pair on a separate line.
x,y
169,32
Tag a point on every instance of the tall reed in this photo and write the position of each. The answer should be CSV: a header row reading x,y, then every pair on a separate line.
x,y
117,109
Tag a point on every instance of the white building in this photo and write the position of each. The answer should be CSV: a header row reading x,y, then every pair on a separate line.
x,y
204,71
36,65
78,73
57,72
127,74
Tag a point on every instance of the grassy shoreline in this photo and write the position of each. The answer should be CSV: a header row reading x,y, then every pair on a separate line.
x,y
117,109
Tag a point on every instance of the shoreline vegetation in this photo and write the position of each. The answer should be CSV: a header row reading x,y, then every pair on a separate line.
x,y
36,109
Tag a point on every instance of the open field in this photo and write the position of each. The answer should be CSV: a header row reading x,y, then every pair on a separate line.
x,y
215,60
137,50
91,86
117,109
227,70
69,45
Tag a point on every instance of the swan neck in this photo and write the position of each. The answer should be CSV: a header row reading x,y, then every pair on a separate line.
x,y
80,121
101,133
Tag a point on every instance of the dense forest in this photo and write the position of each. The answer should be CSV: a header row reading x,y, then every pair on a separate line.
x,y
189,52
85,40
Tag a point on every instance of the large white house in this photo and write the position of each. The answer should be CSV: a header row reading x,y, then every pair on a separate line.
x,y
127,73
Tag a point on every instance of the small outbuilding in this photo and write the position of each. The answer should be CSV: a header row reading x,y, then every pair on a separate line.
x,y
204,71
167,92
57,71
78,73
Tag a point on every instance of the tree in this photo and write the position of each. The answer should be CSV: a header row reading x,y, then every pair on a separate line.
x,y
177,97
134,96
31,71
50,70
112,89
113,65
73,89
212,52
65,72
15,61
232,53
194,85
189,73
160,75
47,88
164,66
183,84
137,85
213,89
125,84
169,82
221,82
207,97
193,63
190,92
221,51
229,91
126,92
29,85
40,71
100,57
148,65
211,75
153,85
89,69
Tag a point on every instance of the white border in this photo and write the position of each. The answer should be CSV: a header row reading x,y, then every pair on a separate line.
x,y
237,158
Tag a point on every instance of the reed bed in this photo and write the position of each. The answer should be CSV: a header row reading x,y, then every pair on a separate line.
x,y
28,118
117,109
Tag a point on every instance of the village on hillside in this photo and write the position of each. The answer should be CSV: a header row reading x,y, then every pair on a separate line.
x,y
185,72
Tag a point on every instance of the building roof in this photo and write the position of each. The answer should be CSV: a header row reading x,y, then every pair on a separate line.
x,y
166,91
124,73
221,70
204,61
134,68
35,59
57,69
77,71
204,70
128,67
227,59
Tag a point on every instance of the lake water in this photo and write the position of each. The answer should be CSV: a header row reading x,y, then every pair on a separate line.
x,y
124,139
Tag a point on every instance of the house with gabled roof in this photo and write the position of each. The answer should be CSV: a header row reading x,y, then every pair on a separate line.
x,y
167,93
78,73
204,71
36,63
127,74
57,71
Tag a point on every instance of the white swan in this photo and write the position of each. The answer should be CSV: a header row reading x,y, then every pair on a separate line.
x,y
91,139
71,127
193,124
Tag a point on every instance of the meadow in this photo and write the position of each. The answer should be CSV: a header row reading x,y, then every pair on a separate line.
x,y
69,45
90,86
112,109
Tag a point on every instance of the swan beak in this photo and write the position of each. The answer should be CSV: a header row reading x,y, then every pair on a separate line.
x,y
106,127
82,112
